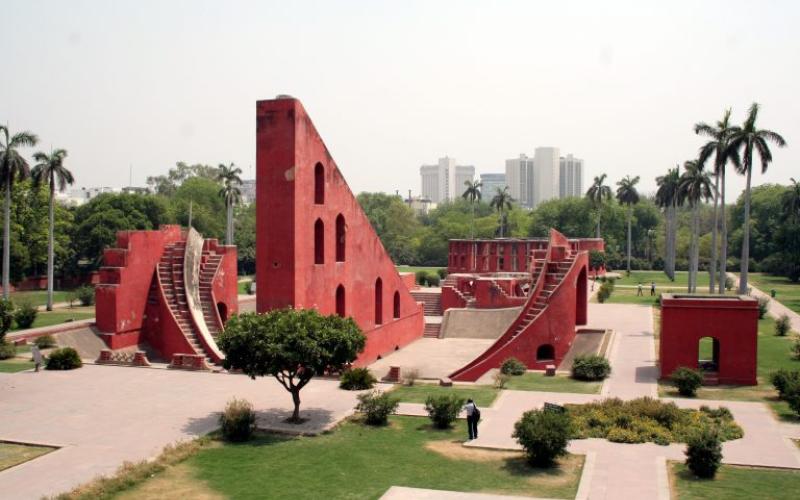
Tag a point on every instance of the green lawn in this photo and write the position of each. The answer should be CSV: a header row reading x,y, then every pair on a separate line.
x,y
355,461
787,293
58,316
661,279
622,295
12,454
559,383
736,483
39,297
483,395
244,287
414,269
14,365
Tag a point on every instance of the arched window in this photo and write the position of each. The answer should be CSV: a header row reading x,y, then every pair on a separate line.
x,y
378,301
545,352
341,238
319,242
319,184
340,304
396,305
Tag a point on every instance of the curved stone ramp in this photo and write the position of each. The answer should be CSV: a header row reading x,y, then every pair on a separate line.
x,y
477,323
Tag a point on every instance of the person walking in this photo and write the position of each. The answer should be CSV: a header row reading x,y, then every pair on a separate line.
x,y
652,288
639,290
473,415
37,356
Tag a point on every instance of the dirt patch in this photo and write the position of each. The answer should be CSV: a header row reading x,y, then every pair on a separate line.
x,y
457,451
176,482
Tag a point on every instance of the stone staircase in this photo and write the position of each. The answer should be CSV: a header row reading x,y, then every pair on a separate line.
x,y
432,330
208,269
555,272
431,300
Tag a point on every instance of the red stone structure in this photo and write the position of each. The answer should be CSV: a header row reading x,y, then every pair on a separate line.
x,y
315,248
168,288
506,255
730,322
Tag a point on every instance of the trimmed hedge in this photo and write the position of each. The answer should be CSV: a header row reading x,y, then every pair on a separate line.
x,y
513,366
25,314
65,358
357,379
590,367
687,381
544,435
704,453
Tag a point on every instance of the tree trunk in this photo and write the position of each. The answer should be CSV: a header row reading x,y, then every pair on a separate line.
x,y
472,225
695,259
50,244
723,251
597,233
673,240
229,221
630,216
745,264
7,237
296,400
712,268
668,267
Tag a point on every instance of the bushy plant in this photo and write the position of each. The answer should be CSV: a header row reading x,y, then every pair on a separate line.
x,y
409,376
420,277
72,297
6,317
238,421
687,381
442,272
728,283
500,380
85,294
443,409
25,313
513,366
543,435
763,307
65,358
590,367
7,349
377,406
45,341
433,279
704,452
782,325
784,380
796,347
357,379
605,291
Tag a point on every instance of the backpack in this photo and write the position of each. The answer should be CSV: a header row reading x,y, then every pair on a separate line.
x,y
476,414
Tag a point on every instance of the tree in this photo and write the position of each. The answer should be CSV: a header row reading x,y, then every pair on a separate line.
x,y
502,202
745,141
208,209
167,185
229,176
694,187
472,193
628,196
790,230
598,193
718,146
791,202
597,260
396,226
291,345
50,170
13,167
667,199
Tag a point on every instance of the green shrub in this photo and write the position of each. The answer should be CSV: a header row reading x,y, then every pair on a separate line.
x,y
513,366
7,349
590,367
687,381
65,358
420,277
357,379
704,453
238,421
792,396
605,290
442,272
25,314
45,341
783,380
6,317
377,406
782,325
85,294
763,307
543,435
71,298
443,409
796,347
728,283
433,279
500,380
623,435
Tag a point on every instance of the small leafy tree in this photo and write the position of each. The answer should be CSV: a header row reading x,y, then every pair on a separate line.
x,y
544,435
704,453
597,260
290,345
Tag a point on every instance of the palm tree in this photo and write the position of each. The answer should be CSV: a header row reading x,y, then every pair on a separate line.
x,y
667,198
597,194
13,167
229,176
791,202
745,141
627,195
718,146
502,201
50,170
694,187
472,193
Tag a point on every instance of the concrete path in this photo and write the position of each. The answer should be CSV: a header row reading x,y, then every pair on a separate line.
x,y
404,493
776,309
100,416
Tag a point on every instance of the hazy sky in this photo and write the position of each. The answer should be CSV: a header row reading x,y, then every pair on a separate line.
x,y
393,85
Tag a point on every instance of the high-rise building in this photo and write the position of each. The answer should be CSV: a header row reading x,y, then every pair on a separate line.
x,y
445,180
546,163
491,183
519,179
570,177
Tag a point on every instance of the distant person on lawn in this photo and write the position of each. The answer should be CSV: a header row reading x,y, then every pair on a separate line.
x,y
652,288
473,415
639,290
37,356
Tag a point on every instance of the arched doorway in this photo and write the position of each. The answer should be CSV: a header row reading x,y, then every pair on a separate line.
x,y
340,301
341,236
545,352
378,301
708,354
319,242
396,311
581,297
222,309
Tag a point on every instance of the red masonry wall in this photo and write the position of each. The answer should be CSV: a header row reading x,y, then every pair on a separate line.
x,y
300,195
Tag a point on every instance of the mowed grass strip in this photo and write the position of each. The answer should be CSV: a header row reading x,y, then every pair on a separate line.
x,y
661,279
58,316
786,292
15,365
356,461
12,454
483,395
736,483
39,297
560,383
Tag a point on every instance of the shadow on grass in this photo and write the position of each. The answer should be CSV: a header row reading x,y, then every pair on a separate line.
x,y
314,421
519,466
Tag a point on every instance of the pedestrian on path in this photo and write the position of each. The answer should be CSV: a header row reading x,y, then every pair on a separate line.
x,y
652,288
37,356
639,290
473,415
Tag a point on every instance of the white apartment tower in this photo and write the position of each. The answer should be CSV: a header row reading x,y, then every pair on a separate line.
x,y
570,177
519,179
445,180
546,163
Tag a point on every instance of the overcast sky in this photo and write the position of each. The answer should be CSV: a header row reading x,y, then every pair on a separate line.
x,y
393,85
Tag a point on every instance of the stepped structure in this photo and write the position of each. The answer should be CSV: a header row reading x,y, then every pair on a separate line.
x,y
315,247
170,289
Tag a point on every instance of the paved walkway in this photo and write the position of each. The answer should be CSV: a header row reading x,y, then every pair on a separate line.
x,y
404,493
776,309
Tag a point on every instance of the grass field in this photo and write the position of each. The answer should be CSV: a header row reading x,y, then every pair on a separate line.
x,y
413,269
736,483
12,454
482,395
559,383
661,279
787,293
355,461
58,316
14,365
39,297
